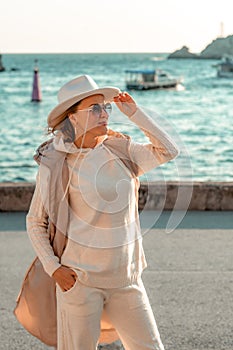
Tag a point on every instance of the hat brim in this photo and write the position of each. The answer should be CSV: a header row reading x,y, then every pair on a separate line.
x,y
108,92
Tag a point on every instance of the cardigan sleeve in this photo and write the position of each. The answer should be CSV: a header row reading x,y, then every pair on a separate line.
x,y
37,228
159,150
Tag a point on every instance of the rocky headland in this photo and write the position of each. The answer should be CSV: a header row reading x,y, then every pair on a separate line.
x,y
1,65
215,50
183,53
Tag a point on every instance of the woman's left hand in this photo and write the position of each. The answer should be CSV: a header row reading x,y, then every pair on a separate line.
x,y
125,103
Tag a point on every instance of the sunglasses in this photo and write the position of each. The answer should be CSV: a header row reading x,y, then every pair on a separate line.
x,y
97,108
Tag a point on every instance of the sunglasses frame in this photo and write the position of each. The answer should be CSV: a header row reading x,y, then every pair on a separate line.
x,y
107,107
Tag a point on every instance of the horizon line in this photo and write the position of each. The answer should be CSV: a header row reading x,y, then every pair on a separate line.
x,y
83,52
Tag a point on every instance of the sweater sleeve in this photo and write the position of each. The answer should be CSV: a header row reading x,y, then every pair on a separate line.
x,y
37,228
161,148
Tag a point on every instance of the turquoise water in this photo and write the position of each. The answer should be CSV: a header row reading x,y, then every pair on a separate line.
x,y
199,116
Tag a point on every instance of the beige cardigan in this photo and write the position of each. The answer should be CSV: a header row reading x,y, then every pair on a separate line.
x,y
37,298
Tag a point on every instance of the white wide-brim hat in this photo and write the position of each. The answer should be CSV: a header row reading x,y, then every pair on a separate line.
x,y
75,91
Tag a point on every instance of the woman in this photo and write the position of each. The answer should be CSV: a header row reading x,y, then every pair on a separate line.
x,y
101,265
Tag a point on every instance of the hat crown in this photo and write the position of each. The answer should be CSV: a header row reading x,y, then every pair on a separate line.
x,y
77,86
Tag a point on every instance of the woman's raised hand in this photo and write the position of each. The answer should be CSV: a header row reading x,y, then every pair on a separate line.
x,y
125,103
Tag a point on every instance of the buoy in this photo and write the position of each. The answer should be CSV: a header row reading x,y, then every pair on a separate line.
x,y
36,93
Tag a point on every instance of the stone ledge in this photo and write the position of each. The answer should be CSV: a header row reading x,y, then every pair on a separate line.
x,y
192,196
152,196
16,196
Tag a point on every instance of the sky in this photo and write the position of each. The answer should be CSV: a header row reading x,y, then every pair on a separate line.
x,y
66,26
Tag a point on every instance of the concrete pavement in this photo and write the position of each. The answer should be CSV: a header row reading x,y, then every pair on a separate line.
x,y
189,281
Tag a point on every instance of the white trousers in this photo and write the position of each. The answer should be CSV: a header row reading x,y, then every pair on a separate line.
x,y
128,308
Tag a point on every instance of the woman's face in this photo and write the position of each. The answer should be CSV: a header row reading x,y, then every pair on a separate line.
x,y
90,117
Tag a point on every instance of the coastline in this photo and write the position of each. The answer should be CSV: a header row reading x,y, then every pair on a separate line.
x,y
200,196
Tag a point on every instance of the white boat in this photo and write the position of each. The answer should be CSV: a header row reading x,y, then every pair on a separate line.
x,y
225,68
145,79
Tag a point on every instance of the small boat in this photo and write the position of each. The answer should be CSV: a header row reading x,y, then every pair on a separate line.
x,y
225,68
137,79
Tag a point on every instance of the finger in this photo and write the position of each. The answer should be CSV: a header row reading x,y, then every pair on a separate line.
x,y
123,95
117,98
127,96
67,286
74,277
63,288
73,273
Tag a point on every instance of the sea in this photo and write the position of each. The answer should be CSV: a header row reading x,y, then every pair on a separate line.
x,y
198,114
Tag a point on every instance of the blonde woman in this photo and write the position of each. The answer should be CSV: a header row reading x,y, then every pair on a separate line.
x,y
87,187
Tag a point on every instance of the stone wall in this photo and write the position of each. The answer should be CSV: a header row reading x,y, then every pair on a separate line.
x,y
152,196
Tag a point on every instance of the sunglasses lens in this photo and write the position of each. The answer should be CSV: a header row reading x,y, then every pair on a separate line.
x,y
97,109
108,108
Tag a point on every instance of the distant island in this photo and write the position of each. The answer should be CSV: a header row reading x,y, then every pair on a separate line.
x,y
1,65
215,50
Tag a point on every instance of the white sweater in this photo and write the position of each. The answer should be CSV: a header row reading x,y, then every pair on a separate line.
x,y
105,244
